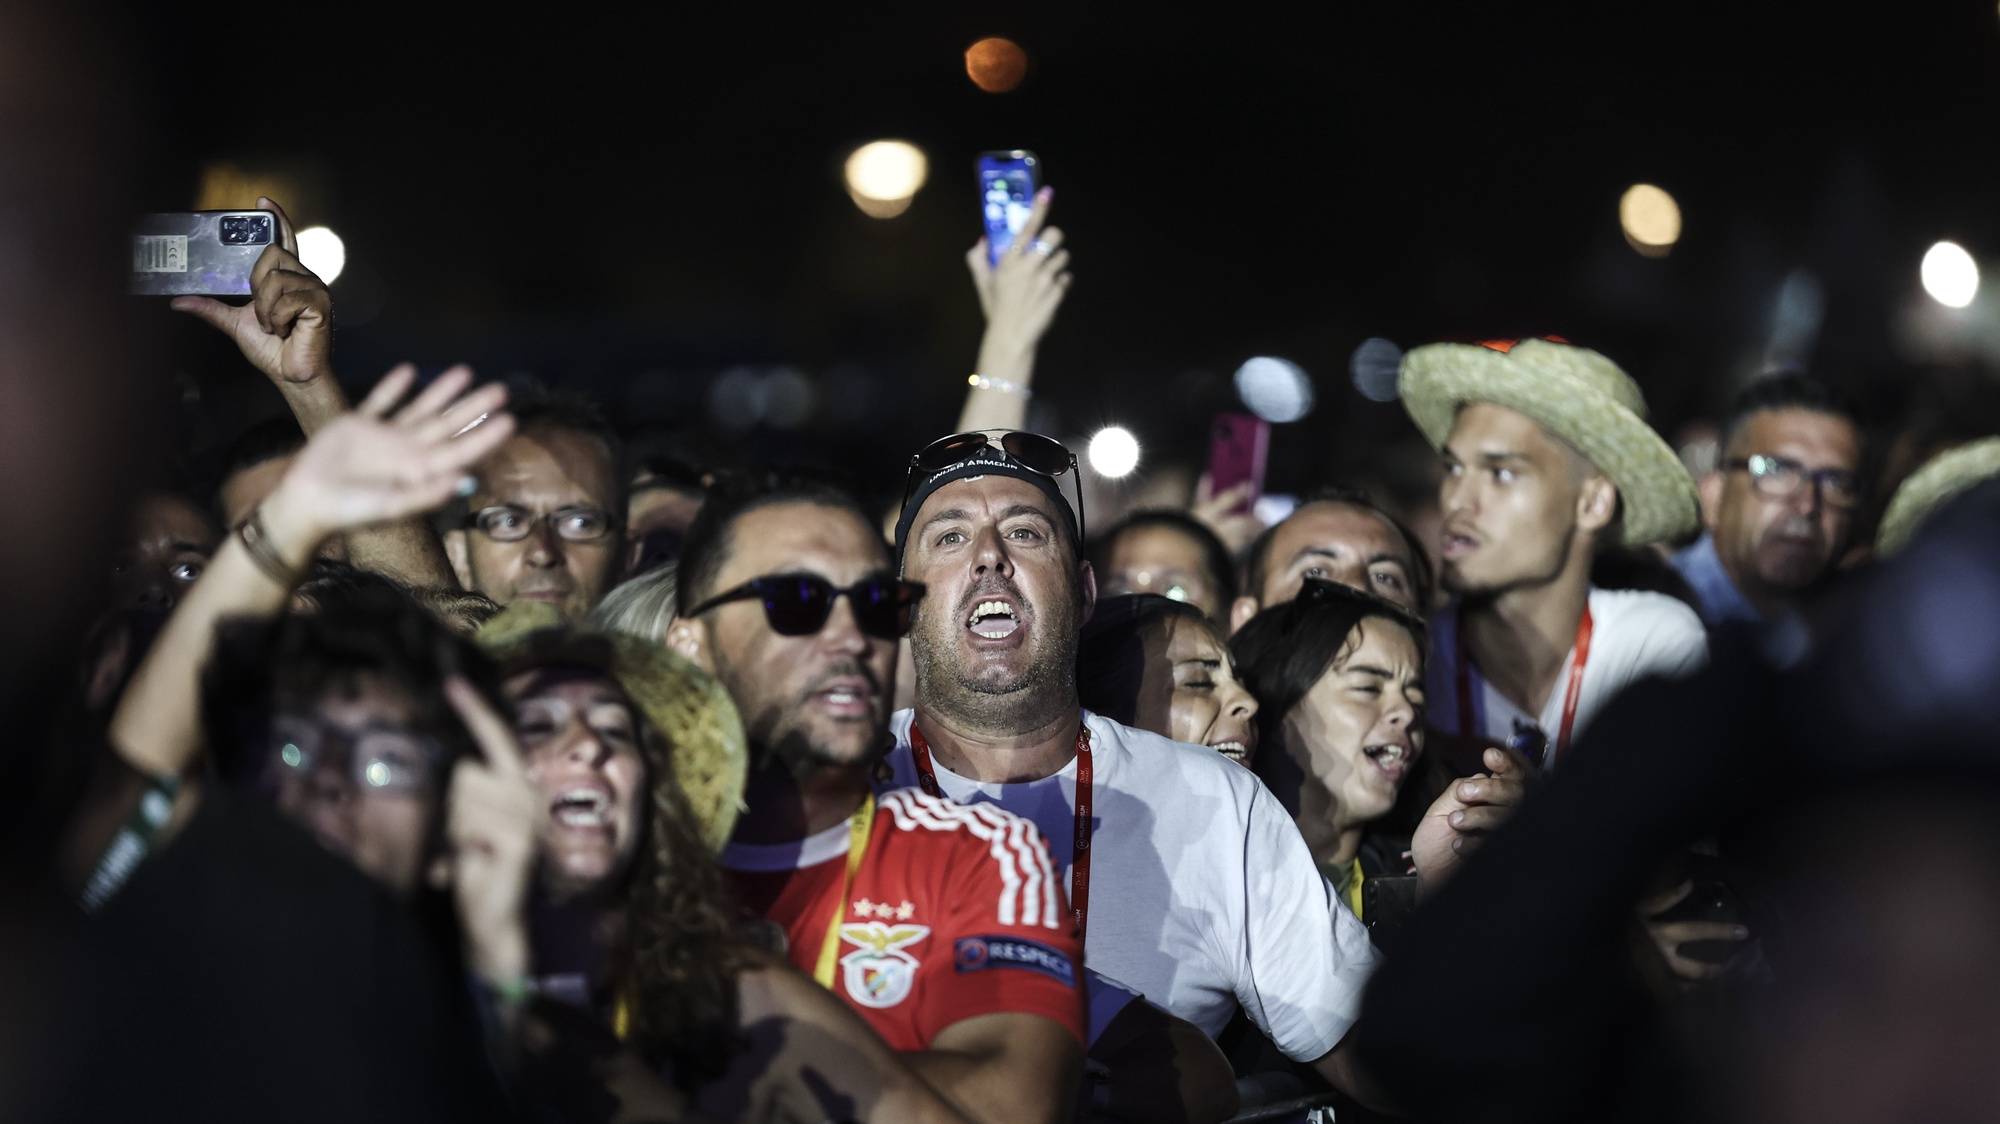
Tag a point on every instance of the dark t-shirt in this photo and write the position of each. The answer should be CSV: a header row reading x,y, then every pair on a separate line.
x,y
246,973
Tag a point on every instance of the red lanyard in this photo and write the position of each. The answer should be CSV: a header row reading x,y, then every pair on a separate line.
x,y
1079,871
1570,694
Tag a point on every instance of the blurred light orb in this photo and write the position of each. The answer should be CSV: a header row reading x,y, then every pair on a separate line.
x,y
1114,452
322,251
1276,390
1950,275
1651,218
1375,366
995,64
884,176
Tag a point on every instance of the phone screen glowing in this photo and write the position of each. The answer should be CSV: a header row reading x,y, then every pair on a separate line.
x,y
1007,185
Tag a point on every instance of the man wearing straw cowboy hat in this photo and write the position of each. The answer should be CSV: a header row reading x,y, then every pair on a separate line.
x,y
1547,457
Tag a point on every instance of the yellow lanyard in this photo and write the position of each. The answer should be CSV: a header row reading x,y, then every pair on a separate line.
x,y
1351,880
857,846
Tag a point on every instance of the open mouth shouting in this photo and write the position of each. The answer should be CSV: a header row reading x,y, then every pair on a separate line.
x,y
994,619
1392,760
582,808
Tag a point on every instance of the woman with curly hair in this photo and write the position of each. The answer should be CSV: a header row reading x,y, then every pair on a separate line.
x,y
640,758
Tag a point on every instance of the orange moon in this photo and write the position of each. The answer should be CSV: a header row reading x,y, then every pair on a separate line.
x,y
996,65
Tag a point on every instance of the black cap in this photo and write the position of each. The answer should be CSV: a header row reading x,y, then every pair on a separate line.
x,y
989,460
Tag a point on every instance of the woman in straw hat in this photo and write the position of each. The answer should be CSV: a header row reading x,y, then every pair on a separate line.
x,y
639,759
1547,456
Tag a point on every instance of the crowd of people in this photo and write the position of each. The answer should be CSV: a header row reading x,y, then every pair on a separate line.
x,y
451,761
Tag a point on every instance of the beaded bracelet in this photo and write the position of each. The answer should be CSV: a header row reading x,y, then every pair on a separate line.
x,y
1003,386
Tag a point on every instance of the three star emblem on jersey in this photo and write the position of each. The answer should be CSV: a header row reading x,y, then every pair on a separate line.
x,y
879,973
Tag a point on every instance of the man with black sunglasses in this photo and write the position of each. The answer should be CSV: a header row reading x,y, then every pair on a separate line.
x,y
1779,509
1185,879
940,926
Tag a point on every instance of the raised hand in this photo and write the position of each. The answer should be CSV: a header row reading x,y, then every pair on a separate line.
x,y
286,331
1470,808
1021,294
1226,514
493,816
369,466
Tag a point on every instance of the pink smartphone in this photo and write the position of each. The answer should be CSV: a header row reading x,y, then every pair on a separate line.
x,y
1238,446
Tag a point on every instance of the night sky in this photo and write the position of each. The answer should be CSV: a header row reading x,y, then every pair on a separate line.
x,y
635,203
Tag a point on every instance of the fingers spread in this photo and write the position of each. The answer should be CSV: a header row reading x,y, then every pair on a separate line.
x,y
486,400
432,401
393,386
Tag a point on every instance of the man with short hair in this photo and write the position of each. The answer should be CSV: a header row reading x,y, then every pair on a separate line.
x,y
1188,882
1170,553
547,522
1779,508
1339,536
1547,456
941,927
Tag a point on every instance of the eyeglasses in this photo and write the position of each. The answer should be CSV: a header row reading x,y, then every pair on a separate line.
x,y
1777,478
799,604
1031,451
379,758
509,523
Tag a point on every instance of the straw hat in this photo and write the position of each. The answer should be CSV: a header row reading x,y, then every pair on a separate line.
x,y
1575,394
1937,483
710,758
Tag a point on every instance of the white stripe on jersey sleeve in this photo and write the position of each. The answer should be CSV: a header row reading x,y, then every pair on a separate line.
x,y
1012,841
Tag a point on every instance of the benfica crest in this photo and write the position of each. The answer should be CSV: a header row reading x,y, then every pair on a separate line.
x,y
879,973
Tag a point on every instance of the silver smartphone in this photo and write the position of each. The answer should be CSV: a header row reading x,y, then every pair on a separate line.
x,y
207,253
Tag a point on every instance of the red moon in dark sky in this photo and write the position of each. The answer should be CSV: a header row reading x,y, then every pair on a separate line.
x,y
996,65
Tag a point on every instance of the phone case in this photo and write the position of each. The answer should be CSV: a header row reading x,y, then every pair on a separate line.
x,y
207,253
1239,445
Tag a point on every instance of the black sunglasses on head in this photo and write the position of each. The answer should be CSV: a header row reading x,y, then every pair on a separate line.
x,y
799,604
1031,451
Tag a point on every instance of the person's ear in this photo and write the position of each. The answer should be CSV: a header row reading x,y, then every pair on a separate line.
x,y
1596,504
685,638
438,873
1240,613
1710,491
1088,577
457,552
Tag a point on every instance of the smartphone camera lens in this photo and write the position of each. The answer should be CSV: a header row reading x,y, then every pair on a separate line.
x,y
246,230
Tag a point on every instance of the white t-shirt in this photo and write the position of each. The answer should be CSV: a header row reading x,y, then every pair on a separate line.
x,y
1203,896
1633,634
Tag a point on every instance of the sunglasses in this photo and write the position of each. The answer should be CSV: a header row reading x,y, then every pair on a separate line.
x,y
799,604
1031,451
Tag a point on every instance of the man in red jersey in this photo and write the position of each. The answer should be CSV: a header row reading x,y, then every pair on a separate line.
x,y
944,927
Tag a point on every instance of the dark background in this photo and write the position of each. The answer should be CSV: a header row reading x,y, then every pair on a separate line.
x,y
635,203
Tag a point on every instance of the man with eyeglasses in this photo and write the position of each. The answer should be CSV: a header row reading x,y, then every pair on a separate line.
x,y
1779,508
1187,881
547,521
942,927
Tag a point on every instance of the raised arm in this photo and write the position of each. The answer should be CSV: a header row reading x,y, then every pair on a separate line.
x,y
359,470
286,331
1019,297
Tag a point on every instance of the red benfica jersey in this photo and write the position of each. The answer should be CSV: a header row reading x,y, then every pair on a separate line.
x,y
955,912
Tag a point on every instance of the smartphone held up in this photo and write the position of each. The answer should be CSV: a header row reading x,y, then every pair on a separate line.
x,y
1007,185
201,253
